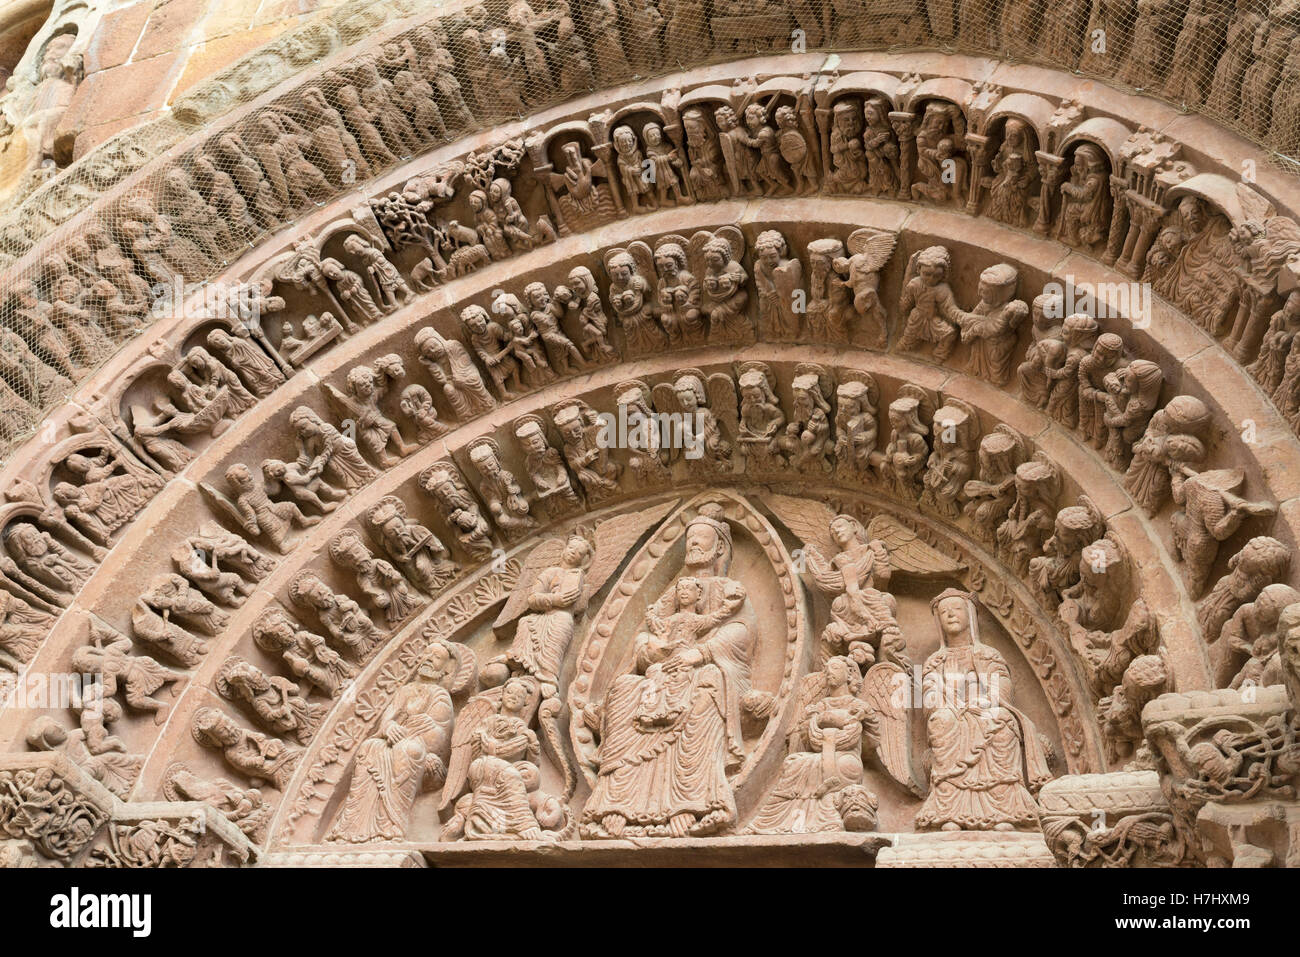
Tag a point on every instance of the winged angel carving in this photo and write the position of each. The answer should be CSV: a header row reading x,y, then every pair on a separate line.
x,y
986,759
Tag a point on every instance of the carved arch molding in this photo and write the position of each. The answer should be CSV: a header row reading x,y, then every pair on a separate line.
x,y
928,558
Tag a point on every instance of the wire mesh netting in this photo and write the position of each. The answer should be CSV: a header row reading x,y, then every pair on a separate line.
x,y
78,285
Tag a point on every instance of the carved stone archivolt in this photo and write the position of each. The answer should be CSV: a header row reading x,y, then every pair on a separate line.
x,y
756,516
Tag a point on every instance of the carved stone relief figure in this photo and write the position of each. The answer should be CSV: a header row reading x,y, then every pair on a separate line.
x,y
460,509
382,584
778,278
494,778
1033,513
583,297
324,450
504,497
848,168
647,457
952,461
1132,394
261,758
930,312
1011,188
545,467
274,702
1085,199
1211,512
255,368
544,314
167,600
762,420
414,549
991,328
739,152
630,297
1173,443
677,296
43,564
254,511
987,760
857,430
342,618
22,628
586,455
707,178
710,409
408,754
494,347
820,787
990,495
669,729
306,655
221,564
1056,571
1261,562
365,390
243,807
109,491
449,364
138,678
1078,337
724,284
908,449
807,441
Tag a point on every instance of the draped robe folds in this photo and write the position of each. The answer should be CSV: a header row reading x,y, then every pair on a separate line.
x,y
388,777
648,775
542,638
1201,280
983,756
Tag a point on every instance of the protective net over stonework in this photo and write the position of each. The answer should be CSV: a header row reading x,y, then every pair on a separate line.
x,y
98,250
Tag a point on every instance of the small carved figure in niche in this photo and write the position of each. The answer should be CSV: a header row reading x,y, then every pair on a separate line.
x,y
848,158
275,702
1078,335
545,467
820,787
1011,187
211,387
414,549
492,344
739,152
630,296
1056,571
381,583
154,615
667,165
367,386
1085,199
1261,562
638,190
908,449
386,281
261,758
259,372
991,328
523,342
583,296
773,173
678,295
931,313
36,557
254,511
350,288
990,495
706,165
807,439
724,284
1132,395
869,250
762,421
342,618
417,405
445,485
705,402
545,314
307,656
1032,515
137,677
647,456
987,760
451,367
200,559
110,490
1210,513
324,449
1106,358
952,462
586,455
857,430
792,145
779,280
409,753
501,493
1173,444
494,755
583,194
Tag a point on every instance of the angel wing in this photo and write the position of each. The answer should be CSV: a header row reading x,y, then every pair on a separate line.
x,y
471,717
735,238
723,402
665,401
616,537
542,556
877,245
910,390
880,691
811,688
908,553
809,520
226,507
